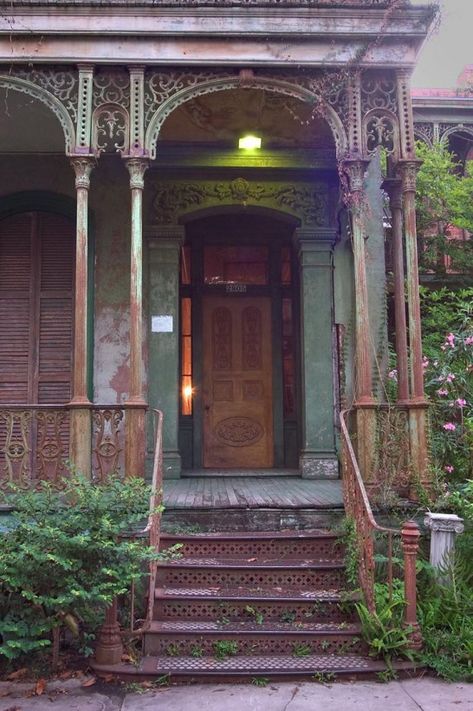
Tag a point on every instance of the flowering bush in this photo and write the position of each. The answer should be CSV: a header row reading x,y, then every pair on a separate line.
x,y
448,367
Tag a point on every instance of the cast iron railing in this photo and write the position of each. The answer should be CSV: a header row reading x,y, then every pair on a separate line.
x,y
35,447
358,508
109,649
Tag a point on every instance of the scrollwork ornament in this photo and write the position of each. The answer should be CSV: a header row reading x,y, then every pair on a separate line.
x,y
110,129
137,168
83,167
111,87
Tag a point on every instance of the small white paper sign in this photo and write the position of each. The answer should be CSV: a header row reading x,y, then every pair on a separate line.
x,y
161,324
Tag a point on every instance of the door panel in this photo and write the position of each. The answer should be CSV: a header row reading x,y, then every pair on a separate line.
x,y
237,382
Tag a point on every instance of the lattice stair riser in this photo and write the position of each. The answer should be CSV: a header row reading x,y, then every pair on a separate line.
x,y
328,548
251,578
203,645
235,610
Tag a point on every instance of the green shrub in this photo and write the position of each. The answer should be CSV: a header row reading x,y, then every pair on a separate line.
x,y
64,558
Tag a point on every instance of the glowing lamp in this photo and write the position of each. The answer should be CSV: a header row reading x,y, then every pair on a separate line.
x,y
249,143
187,391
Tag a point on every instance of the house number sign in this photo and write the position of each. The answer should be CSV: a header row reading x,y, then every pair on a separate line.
x,y
235,288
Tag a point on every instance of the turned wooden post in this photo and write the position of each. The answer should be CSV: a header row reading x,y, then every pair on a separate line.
x,y
135,445
80,432
410,535
393,188
109,649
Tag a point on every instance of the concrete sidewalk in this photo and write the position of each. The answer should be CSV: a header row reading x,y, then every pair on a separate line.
x,y
425,694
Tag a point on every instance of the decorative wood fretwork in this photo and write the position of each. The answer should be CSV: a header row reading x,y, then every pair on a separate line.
x,y
222,339
107,442
34,445
57,89
251,354
379,109
424,131
111,117
309,203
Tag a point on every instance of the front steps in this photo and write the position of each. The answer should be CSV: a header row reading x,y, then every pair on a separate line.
x,y
252,606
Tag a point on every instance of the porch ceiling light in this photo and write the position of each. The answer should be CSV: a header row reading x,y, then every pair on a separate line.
x,y
249,142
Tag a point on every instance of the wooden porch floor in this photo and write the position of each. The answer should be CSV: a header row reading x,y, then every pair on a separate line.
x,y
279,492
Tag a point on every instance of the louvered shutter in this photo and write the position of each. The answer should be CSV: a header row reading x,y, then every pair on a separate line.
x,y
16,281
36,308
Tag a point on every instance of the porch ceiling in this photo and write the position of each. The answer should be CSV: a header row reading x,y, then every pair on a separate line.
x,y
224,116
27,125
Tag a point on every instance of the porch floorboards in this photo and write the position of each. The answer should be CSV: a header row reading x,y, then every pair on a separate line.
x,y
228,492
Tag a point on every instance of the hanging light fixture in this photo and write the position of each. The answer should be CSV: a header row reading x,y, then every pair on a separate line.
x,y
250,142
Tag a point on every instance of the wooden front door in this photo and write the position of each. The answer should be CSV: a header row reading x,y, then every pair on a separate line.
x,y
237,382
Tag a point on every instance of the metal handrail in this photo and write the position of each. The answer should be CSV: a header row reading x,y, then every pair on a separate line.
x,y
358,507
152,530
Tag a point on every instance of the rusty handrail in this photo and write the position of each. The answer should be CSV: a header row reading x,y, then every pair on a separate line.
x,y
358,507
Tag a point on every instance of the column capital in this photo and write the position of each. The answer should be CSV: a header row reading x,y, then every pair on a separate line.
x,y
83,167
137,168
320,239
158,235
355,169
407,171
445,523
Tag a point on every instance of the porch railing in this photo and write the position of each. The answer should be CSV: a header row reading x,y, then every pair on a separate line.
x,y
34,443
109,647
358,508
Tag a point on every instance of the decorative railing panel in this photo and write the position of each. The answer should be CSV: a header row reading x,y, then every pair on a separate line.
x,y
108,441
34,444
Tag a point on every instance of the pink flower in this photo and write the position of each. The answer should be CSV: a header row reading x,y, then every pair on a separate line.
x,y
449,469
450,378
449,426
460,402
425,362
469,341
392,375
450,340
442,392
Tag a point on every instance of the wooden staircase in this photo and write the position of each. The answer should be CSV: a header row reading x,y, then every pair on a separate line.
x,y
254,605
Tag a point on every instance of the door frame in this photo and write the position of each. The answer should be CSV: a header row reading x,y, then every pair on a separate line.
x,y
284,430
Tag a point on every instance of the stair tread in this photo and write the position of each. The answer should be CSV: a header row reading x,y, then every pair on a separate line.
x,y
252,535
256,563
250,627
265,664
261,593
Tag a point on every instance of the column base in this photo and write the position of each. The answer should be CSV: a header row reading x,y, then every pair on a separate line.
x,y
314,466
172,464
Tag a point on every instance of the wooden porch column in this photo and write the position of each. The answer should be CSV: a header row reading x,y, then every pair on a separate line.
x,y
355,170
407,169
135,427
393,188
364,401
318,459
80,428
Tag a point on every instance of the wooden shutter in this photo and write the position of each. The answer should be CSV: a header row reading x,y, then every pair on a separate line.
x,y
36,308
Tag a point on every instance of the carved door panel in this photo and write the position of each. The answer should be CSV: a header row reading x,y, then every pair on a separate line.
x,y
237,382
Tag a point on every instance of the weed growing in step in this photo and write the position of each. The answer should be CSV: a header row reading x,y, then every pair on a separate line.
x,y
260,681
225,648
301,650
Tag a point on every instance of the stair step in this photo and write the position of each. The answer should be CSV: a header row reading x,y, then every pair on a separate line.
x,y
228,604
208,572
298,545
211,627
191,638
318,667
272,594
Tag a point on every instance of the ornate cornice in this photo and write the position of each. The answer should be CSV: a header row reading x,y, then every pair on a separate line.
x,y
308,203
444,523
